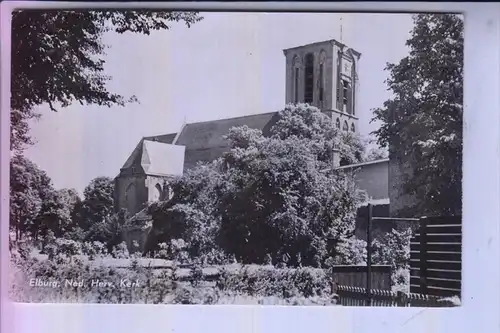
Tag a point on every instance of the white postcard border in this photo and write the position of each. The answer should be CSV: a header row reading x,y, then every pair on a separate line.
x,y
481,208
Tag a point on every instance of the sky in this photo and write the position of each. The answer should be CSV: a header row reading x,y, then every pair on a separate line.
x,y
227,65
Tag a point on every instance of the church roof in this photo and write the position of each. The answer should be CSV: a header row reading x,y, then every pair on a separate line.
x,y
165,138
157,158
204,140
209,134
198,142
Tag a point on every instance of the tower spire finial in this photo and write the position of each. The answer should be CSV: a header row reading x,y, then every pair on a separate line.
x,y
341,28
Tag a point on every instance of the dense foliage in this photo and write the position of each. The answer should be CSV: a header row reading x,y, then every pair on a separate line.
x,y
393,248
57,58
422,124
269,196
29,188
38,211
376,153
97,205
69,276
56,214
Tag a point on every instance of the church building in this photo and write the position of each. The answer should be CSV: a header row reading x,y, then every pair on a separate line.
x,y
322,74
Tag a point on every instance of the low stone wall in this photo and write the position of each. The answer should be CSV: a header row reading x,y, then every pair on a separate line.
x,y
138,233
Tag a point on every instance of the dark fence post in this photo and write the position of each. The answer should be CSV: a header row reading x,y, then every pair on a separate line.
x,y
423,255
369,256
335,294
401,299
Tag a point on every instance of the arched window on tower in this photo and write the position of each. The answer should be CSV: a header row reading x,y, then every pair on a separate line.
x,y
321,81
296,76
309,78
353,129
346,96
130,199
296,86
338,91
346,126
337,123
321,86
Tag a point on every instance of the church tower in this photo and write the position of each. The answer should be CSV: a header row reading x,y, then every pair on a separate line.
x,y
324,75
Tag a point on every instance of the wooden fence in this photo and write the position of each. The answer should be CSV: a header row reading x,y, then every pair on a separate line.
x,y
357,296
356,276
436,257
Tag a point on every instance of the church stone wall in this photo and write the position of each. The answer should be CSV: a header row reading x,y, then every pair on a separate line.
x,y
140,235
374,179
131,193
327,53
319,50
371,177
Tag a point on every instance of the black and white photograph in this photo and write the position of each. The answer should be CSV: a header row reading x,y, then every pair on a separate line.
x,y
236,158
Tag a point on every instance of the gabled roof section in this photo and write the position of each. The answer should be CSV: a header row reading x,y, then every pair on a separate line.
x,y
209,134
135,158
165,138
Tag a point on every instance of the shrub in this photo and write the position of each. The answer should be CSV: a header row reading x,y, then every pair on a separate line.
x,y
68,247
77,235
24,249
121,251
196,274
93,249
162,252
285,259
50,250
182,257
179,250
49,239
135,246
178,245
189,295
394,249
214,257
400,279
351,251
266,281
299,260
152,288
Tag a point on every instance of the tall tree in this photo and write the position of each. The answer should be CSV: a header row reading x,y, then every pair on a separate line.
x,y
282,199
29,187
274,195
306,123
56,213
97,205
191,213
422,123
58,58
